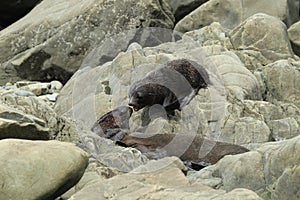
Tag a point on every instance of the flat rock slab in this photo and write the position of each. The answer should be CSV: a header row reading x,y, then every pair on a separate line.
x,y
39,169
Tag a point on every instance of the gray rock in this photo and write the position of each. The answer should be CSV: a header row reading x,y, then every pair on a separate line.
x,y
281,80
55,86
164,180
52,40
39,170
16,124
258,32
245,130
37,88
293,33
270,170
230,13
284,128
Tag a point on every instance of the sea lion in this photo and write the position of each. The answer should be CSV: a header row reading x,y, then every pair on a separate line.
x,y
114,123
172,85
194,151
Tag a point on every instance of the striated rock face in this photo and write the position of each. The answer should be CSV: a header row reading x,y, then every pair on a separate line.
x,y
271,170
43,47
230,13
39,170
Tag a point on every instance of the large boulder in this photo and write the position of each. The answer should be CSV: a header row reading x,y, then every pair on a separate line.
x,y
230,13
271,170
38,169
155,180
258,34
52,40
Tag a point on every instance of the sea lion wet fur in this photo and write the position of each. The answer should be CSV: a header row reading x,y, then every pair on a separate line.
x,y
173,85
191,149
113,123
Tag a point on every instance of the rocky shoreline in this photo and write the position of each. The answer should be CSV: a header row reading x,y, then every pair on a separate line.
x,y
65,64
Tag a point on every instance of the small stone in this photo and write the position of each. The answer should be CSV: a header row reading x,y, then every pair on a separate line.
x,y
23,93
55,86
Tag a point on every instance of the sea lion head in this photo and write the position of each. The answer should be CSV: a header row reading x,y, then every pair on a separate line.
x,y
144,95
112,122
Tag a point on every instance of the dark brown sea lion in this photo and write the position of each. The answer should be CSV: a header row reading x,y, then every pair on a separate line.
x,y
112,123
195,151
172,85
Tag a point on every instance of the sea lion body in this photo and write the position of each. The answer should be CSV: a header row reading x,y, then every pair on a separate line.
x,y
191,149
172,85
112,123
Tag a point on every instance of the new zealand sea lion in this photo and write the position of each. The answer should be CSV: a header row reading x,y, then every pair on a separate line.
x,y
172,85
112,123
195,151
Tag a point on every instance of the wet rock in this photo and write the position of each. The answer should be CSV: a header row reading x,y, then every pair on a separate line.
x,y
39,169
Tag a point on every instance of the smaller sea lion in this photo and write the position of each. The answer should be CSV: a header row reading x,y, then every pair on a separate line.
x,y
111,124
187,147
173,85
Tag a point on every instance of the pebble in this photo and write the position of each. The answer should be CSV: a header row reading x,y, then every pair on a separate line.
x,y
23,93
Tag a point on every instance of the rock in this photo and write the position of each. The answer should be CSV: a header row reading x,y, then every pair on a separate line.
x,y
258,33
181,8
39,170
58,127
55,86
16,124
230,13
24,93
284,128
268,170
245,130
281,80
37,88
109,154
293,33
213,34
281,118
164,180
46,44
11,11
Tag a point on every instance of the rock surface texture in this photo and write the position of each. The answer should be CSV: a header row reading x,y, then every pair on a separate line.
x,y
54,37
67,63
